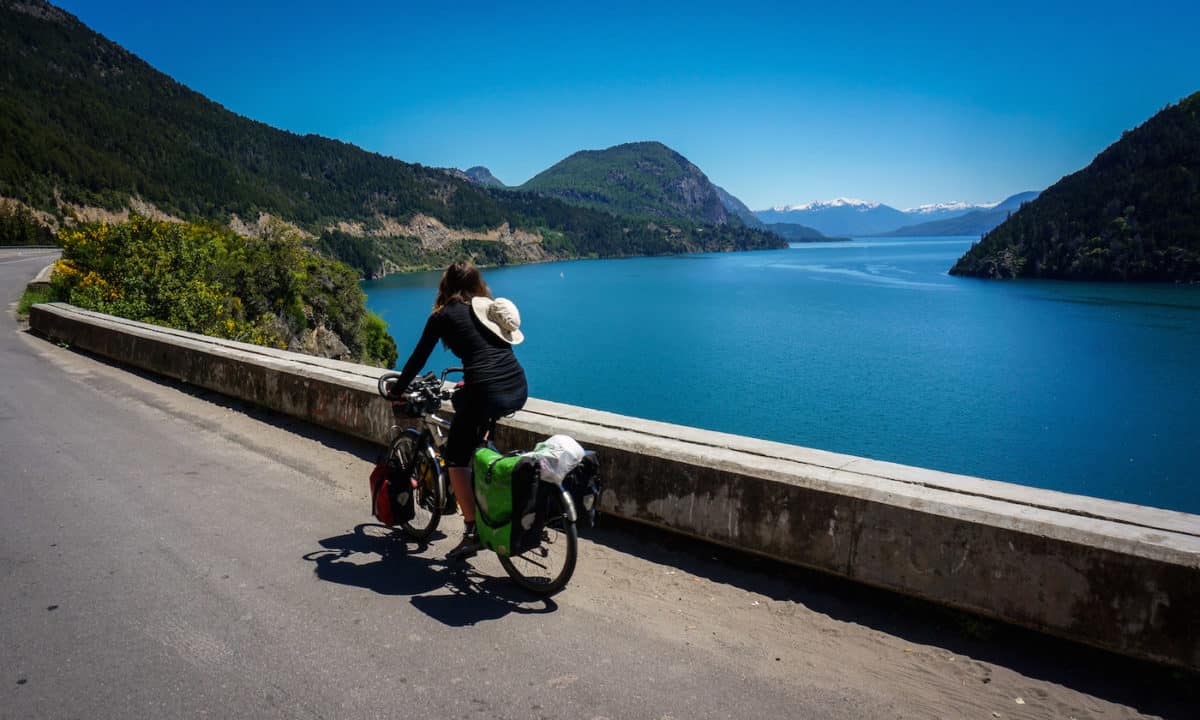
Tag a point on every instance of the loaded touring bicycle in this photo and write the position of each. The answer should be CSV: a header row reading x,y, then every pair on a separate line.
x,y
527,504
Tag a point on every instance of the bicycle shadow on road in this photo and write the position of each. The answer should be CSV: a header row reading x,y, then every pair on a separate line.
x,y
375,558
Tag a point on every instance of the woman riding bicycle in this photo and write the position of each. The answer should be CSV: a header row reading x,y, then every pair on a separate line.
x,y
480,331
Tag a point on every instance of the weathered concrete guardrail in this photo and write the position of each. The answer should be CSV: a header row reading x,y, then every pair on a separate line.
x,y
1113,575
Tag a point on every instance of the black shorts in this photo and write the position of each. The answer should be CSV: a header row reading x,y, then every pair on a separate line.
x,y
474,413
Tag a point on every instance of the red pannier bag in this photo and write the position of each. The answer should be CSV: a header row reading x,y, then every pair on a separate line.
x,y
391,492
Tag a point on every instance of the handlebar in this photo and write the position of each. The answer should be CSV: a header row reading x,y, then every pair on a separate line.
x,y
423,396
385,383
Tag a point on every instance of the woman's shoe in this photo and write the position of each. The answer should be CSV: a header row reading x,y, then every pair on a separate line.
x,y
466,548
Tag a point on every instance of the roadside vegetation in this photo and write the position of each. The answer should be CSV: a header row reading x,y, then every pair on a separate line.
x,y
34,295
203,278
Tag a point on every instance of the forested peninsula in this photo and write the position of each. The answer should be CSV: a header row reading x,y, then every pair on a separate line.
x,y
1133,214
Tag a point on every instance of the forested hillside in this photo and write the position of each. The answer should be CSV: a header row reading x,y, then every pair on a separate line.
x,y
86,123
643,179
1132,214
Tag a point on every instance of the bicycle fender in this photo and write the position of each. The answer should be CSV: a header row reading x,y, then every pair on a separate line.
x,y
570,505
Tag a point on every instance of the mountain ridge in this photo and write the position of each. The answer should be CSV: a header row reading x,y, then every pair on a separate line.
x,y
976,222
800,233
860,205
482,176
638,179
840,217
857,217
87,123
736,207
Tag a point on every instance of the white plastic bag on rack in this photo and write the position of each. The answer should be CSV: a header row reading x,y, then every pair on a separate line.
x,y
556,456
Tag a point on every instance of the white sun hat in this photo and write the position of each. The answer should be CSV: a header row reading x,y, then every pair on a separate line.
x,y
500,316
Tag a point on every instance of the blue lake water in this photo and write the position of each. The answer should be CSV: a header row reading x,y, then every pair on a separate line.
x,y
869,348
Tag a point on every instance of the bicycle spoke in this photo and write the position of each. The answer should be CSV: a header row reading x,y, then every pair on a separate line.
x,y
531,561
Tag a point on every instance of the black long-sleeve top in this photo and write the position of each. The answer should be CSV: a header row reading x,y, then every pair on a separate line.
x,y
488,362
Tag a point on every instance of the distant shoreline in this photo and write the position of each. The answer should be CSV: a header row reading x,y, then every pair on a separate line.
x,y
411,269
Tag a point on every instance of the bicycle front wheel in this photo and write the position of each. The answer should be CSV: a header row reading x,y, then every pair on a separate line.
x,y
427,488
545,569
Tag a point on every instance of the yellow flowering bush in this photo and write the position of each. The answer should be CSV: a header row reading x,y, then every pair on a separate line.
x,y
206,279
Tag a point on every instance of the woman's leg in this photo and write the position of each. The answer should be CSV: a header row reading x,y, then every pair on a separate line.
x,y
460,480
465,431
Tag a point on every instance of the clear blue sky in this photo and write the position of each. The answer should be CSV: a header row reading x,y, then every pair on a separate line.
x,y
777,102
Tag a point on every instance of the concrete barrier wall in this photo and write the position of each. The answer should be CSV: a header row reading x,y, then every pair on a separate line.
x,y
1109,574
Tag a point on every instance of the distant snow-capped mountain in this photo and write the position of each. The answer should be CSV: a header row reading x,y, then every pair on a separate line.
x,y
816,205
840,217
851,216
950,207
975,222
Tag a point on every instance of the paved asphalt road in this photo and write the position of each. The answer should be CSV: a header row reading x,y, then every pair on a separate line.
x,y
165,553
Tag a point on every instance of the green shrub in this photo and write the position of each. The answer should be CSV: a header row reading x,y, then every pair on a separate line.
x,y
206,279
378,342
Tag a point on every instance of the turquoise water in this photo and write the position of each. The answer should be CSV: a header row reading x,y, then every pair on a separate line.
x,y
869,348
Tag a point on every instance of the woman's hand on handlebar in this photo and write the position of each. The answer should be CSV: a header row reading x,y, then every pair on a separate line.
x,y
427,384
388,386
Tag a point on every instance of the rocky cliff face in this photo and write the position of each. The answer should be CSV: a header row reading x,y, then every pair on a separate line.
x,y
696,197
482,176
738,208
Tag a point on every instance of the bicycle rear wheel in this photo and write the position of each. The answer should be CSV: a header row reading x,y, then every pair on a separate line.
x,y
427,502
545,569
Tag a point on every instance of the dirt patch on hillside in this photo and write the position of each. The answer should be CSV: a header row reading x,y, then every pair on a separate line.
x,y
263,225
71,213
42,217
433,234
137,206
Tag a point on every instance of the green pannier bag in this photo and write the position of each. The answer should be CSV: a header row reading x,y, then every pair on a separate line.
x,y
497,478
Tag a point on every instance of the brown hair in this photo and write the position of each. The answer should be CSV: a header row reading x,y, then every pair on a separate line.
x,y
460,283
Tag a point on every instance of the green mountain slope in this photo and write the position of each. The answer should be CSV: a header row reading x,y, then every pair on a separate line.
x,y
1132,214
89,120
644,179
85,122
